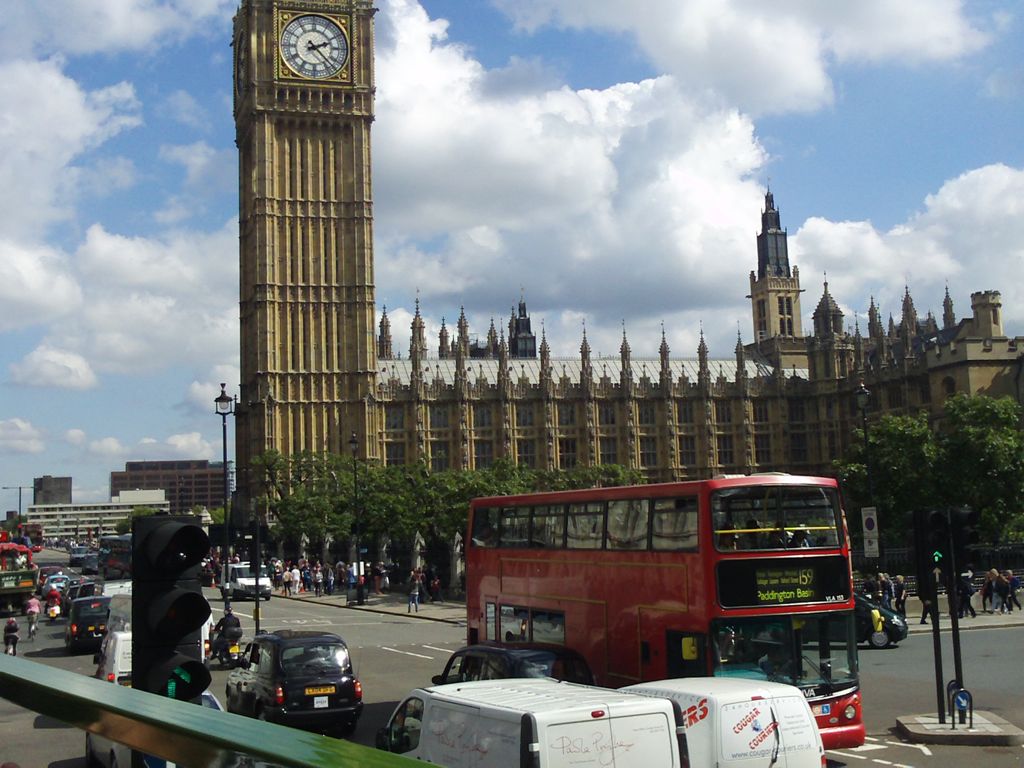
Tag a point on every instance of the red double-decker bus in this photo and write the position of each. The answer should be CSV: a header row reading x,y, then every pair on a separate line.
x,y
735,577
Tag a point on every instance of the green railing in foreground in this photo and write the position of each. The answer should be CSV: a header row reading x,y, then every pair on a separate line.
x,y
190,735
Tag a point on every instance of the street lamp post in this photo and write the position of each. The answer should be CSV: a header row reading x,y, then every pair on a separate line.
x,y
353,443
224,407
863,395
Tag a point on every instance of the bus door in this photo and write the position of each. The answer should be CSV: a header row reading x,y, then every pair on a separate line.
x,y
685,654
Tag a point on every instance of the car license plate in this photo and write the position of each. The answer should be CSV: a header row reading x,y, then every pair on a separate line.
x,y
320,689
319,702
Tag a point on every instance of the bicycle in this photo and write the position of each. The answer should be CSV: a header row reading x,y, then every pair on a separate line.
x,y
33,626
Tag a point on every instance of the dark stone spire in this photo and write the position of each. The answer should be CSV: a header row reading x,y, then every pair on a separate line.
x,y
463,326
384,349
828,317
948,318
418,340
703,371
444,344
772,248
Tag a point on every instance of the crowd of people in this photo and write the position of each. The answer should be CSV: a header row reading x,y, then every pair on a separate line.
x,y
998,592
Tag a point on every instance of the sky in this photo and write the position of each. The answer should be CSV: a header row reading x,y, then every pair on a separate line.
x,y
607,162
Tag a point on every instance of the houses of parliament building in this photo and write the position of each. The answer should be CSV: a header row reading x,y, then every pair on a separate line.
x,y
318,369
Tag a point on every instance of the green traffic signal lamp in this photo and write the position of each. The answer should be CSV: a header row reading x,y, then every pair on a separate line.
x,y
938,536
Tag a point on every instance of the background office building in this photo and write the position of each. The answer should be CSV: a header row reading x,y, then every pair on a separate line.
x,y
188,484
84,522
51,490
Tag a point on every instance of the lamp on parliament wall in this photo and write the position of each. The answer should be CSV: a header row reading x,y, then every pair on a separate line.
x,y
353,443
225,406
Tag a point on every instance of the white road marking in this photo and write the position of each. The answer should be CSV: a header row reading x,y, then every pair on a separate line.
x,y
847,754
922,747
406,653
867,748
442,650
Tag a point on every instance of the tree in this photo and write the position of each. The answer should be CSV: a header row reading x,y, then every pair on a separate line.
x,y
125,526
980,461
897,477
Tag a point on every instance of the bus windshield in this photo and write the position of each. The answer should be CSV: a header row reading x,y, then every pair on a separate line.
x,y
776,517
803,650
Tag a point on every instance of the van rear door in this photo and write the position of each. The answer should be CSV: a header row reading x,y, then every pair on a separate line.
x,y
800,738
748,730
626,737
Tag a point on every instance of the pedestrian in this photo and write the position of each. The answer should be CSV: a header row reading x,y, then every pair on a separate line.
x,y
1001,590
286,581
885,590
870,587
318,580
899,595
415,578
965,590
377,577
988,594
296,579
1014,584
329,579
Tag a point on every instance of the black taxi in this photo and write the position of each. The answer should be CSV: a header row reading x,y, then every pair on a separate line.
x,y
303,679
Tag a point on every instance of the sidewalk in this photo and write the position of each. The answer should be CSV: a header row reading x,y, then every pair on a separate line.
x,y
983,620
452,612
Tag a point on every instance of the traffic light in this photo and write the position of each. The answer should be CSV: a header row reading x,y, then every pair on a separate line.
x,y
938,538
964,522
168,606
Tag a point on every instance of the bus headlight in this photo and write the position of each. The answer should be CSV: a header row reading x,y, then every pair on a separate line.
x,y
850,712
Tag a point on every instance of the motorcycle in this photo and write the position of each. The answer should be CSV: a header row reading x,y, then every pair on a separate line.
x,y
230,650
53,611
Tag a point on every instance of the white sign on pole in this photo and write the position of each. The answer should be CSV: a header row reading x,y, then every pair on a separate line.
x,y
869,522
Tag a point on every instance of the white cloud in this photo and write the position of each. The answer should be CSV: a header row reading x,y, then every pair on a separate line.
x,y
109,448
75,437
181,106
38,149
20,436
87,27
768,57
48,367
36,285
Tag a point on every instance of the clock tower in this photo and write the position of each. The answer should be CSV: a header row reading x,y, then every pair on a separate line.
x,y
303,85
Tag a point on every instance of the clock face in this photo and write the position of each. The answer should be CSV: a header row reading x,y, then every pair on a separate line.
x,y
314,46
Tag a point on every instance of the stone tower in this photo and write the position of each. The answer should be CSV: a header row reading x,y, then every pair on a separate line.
x,y
304,92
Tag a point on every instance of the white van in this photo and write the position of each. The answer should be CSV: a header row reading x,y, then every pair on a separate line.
x,y
533,723
114,658
730,722
240,582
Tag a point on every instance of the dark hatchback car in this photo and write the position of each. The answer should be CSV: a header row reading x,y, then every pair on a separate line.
x,y
498,662
87,623
893,625
297,678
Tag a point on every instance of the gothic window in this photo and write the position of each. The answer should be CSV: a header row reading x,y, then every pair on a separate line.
x,y
798,447
482,416
438,455
896,395
648,452
394,454
924,391
394,417
685,412
723,411
725,455
688,450
438,417
606,414
609,454
761,411
566,415
763,450
524,415
796,410
566,452
526,453
646,413
948,386
483,453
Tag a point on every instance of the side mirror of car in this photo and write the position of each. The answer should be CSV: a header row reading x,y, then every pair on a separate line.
x,y
438,679
382,740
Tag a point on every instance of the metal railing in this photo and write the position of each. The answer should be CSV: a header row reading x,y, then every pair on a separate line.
x,y
198,737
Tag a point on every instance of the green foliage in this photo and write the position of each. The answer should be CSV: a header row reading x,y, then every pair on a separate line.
x,y
973,456
125,526
324,495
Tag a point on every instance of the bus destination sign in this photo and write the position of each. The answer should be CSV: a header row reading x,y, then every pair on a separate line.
x,y
779,585
756,582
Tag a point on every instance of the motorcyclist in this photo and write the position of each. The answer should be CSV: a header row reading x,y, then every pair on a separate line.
x,y
53,598
11,636
222,642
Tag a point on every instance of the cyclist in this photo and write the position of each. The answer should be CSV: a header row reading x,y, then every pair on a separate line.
x,y
11,636
32,610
